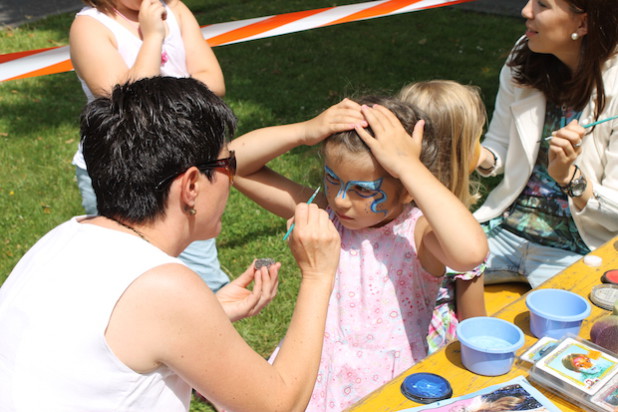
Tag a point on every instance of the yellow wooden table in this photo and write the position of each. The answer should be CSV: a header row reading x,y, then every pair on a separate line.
x,y
578,278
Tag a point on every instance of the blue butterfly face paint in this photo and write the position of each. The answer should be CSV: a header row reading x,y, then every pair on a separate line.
x,y
361,188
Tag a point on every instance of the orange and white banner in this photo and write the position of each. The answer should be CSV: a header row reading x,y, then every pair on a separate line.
x,y
40,62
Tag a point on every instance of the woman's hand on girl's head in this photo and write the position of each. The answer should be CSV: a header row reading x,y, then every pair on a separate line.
x,y
392,146
240,302
564,148
345,115
152,15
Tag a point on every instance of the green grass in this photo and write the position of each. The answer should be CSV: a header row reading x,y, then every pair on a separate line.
x,y
270,81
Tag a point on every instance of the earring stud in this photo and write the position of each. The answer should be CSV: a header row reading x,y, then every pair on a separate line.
x,y
574,36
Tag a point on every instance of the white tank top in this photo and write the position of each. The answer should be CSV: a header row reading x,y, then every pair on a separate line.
x,y
174,65
54,309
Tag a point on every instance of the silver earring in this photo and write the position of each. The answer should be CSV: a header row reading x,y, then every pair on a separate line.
x,y
574,36
190,210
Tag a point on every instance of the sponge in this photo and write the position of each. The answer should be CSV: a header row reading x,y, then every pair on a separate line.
x,y
604,332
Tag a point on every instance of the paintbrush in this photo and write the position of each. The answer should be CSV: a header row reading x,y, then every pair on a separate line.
x,y
308,202
585,126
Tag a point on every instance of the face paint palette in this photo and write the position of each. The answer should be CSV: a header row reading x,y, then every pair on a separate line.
x,y
259,263
580,371
605,295
426,388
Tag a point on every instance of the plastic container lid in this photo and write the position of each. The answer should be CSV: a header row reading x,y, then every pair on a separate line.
x,y
593,260
426,388
605,296
610,276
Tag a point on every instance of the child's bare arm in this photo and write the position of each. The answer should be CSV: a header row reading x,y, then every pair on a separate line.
x,y
202,64
95,55
470,298
276,193
448,234
255,149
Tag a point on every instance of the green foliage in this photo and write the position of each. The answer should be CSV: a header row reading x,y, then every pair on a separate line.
x,y
271,81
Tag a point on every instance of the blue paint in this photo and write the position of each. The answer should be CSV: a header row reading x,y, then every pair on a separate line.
x,y
426,388
362,188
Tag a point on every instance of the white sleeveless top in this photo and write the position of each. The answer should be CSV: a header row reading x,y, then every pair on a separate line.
x,y
175,65
54,309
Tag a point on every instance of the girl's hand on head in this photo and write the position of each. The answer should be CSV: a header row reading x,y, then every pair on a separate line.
x,y
315,243
240,302
152,15
392,146
564,148
345,115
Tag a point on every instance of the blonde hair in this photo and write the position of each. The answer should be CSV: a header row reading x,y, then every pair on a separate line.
x,y
458,116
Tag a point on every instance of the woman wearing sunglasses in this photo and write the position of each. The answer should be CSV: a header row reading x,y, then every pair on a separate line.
x,y
100,315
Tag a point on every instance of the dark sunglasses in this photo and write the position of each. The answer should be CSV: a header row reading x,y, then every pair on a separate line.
x,y
226,165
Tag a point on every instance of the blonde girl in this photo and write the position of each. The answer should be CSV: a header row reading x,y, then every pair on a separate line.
x,y
396,222
457,115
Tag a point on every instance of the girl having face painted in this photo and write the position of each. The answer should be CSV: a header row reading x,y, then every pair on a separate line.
x,y
396,222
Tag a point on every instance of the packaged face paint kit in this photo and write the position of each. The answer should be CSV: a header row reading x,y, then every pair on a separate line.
x,y
577,370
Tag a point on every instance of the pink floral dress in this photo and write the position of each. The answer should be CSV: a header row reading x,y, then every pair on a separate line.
x,y
378,315
443,326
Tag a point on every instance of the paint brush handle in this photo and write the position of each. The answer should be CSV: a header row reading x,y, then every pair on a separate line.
x,y
585,126
289,232
599,122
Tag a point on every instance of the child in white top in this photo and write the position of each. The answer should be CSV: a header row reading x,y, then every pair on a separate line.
x,y
457,116
118,41
393,252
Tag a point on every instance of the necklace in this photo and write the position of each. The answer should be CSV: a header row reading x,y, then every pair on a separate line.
x,y
131,228
164,56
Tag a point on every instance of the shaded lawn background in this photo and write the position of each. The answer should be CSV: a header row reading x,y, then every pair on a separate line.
x,y
270,81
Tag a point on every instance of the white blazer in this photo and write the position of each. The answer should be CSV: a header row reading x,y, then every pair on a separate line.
x,y
514,133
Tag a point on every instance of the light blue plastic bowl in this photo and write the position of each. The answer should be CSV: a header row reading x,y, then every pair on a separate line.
x,y
556,312
488,345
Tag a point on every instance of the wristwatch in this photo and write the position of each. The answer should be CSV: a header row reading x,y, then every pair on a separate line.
x,y
576,187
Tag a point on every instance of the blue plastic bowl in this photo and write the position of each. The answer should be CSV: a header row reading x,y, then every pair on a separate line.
x,y
488,345
556,313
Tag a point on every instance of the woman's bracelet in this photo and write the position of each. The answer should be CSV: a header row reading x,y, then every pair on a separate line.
x,y
493,166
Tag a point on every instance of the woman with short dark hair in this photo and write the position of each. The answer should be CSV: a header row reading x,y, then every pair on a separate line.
x,y
100,315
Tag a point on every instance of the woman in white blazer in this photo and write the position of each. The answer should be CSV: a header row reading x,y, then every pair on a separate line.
x,y
558,199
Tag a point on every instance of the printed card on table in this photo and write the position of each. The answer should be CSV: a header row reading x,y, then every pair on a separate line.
x,y
579,365
543,347
607,397
514,395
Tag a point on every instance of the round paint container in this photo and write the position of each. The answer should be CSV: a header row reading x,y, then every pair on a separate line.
x,y
604,295
426,388
611,276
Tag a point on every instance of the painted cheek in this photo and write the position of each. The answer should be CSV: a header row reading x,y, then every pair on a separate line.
x,y
381,197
